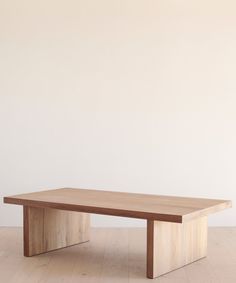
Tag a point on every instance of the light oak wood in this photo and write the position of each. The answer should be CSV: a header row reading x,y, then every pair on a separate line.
x,y
176,226
173,245
152,207
87,263
47,229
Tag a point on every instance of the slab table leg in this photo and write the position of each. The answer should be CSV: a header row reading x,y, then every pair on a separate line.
x,y
173,245
47,229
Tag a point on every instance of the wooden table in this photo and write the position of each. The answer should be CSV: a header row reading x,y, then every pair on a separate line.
x,y
176,226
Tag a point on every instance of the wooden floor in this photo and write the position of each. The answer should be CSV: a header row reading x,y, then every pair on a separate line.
x,y
112,255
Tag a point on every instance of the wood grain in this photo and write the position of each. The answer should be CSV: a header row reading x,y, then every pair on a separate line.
x,y
48,229
152,207
173,245
87,263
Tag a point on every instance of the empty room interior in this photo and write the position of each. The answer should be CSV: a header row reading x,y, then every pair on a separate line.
x,y
118,141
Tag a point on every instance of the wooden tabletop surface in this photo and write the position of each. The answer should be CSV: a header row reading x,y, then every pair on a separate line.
x,y
145,206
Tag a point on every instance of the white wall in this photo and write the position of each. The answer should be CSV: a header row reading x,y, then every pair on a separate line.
x,y
129,95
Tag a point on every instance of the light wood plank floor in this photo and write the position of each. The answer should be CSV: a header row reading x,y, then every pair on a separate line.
x,y
113,255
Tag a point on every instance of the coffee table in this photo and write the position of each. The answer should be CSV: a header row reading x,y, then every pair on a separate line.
x,y
176,226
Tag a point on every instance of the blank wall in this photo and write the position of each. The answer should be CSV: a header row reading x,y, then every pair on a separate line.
x,y
132,95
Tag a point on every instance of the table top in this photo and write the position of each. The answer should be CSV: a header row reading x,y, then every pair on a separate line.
x,y
144,206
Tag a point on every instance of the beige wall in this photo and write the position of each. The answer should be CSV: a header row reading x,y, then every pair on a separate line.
x,y
128,95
